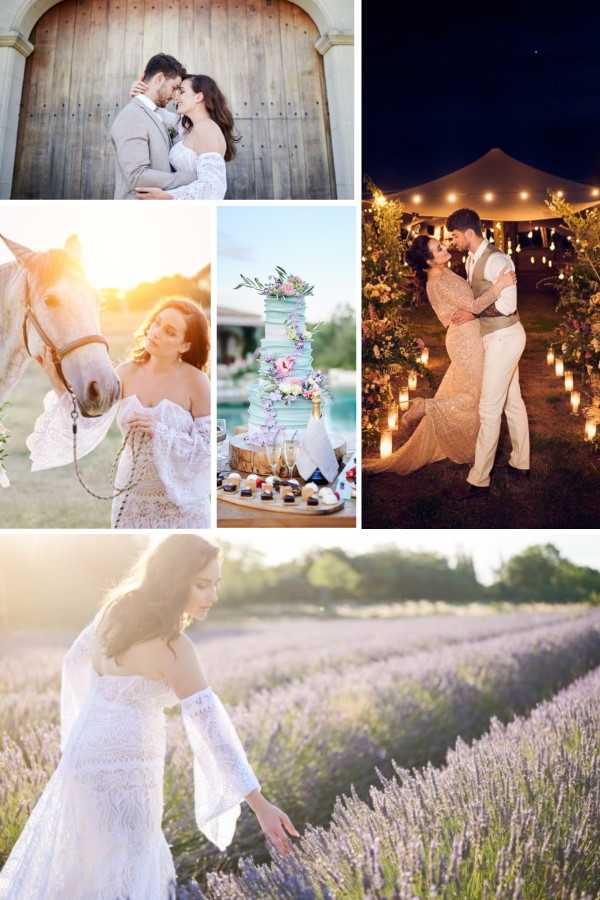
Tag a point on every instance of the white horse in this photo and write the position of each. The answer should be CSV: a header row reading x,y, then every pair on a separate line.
x,y
66,308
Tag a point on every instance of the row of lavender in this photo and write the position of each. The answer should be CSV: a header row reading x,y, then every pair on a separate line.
x,y
310,741
515,816
312,738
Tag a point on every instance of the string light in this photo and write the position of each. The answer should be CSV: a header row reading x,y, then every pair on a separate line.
x,y
518,248
417,198
595,192
530,233
524,195
488,196
532,260
553,246
560,193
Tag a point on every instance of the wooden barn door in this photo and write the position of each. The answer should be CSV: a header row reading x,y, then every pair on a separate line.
x,y
261,52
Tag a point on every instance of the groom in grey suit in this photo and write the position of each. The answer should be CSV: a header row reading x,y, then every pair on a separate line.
x,y
141,139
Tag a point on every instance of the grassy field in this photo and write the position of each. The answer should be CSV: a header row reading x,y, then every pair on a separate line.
x,y
54,498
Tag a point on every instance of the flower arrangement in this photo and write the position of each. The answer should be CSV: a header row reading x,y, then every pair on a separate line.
x,y
577,336
389,348
279,286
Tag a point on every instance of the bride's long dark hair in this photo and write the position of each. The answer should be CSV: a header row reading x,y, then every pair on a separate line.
x,y
418,256
217,108
150,603
197,332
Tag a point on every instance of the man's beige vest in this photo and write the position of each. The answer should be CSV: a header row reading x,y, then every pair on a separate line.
x,y
479,285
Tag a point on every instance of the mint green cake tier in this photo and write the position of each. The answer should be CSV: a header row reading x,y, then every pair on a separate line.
x,y
277,311
276,349
290,418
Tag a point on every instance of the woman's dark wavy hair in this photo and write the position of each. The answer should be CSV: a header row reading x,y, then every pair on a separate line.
x,y
217,108
418,257
197,332
150,603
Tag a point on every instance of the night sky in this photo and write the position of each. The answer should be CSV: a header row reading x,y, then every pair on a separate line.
x,y
441,88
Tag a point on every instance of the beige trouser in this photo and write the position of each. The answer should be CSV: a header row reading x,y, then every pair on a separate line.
x,y
500,392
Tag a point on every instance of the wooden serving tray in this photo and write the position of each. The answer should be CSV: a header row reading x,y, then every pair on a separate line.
x,y
298,508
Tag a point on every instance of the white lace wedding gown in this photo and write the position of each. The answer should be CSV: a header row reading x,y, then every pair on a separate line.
x,y
171,478
207,170
95,833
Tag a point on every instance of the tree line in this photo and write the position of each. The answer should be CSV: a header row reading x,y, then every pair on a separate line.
x,y
48,581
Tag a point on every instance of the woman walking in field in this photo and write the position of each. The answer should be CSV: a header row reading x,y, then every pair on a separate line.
x,y
95,833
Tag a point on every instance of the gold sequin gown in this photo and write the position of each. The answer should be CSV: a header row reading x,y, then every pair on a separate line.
x,y
448,430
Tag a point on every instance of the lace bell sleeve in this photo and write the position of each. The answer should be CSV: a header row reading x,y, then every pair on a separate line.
x,y
210,183
75,682
223,776
51,442
182,460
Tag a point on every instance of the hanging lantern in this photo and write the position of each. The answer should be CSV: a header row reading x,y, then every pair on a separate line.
x,y
412,381
393,417
424,359
544,260
575,402
568,382
532,260
518,248
549,263
561,276
550,356
559,367
530,233
553,246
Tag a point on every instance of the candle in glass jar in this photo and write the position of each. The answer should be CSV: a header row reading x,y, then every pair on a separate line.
x,y
568,381
559,367
385,444
404,398
393,417
412,381
575,402
550,357
590,429
425,356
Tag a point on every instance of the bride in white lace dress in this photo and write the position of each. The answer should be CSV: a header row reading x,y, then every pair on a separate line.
x,y
164,417
206,140
95,833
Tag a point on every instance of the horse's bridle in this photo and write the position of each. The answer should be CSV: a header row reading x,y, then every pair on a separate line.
x,y
58,353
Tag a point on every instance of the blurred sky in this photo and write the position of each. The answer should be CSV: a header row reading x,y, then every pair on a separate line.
x,y
318,243
488,548
123,243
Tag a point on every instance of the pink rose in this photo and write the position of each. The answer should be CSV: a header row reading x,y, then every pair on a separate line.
x,y
284,365
288,289
295,381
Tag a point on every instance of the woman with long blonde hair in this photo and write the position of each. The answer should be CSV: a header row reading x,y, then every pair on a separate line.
x,y
96,830
163,474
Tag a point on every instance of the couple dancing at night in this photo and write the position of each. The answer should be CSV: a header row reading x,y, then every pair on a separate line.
x,y
485,341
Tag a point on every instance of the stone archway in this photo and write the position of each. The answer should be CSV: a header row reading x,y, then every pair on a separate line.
x,y
326,30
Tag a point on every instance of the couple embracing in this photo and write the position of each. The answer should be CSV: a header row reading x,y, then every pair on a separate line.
x,y
485,340
164,155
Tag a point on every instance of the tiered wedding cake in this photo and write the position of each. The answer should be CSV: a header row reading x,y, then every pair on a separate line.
x,y
281,400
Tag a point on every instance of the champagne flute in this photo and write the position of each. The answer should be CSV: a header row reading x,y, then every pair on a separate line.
x,y
290,454
273,453
222,448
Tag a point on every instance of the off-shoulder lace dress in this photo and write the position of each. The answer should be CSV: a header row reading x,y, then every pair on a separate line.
x,y
448,430
169,472
206,169
95,833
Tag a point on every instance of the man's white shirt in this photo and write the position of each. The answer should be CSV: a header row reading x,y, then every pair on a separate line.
x,y
494,266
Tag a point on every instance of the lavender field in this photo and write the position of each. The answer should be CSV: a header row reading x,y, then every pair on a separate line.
x,y
322,707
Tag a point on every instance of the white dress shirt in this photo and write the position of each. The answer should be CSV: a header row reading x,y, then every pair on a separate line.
x,y
495,265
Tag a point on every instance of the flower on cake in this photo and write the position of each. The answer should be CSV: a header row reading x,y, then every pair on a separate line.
x,y
284,365
281,285
292,387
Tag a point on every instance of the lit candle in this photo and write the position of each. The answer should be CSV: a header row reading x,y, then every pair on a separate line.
x,y
412,381
590,429
559,367
575,402
550,356
404,398
568,381
425,355
385,444
393,417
